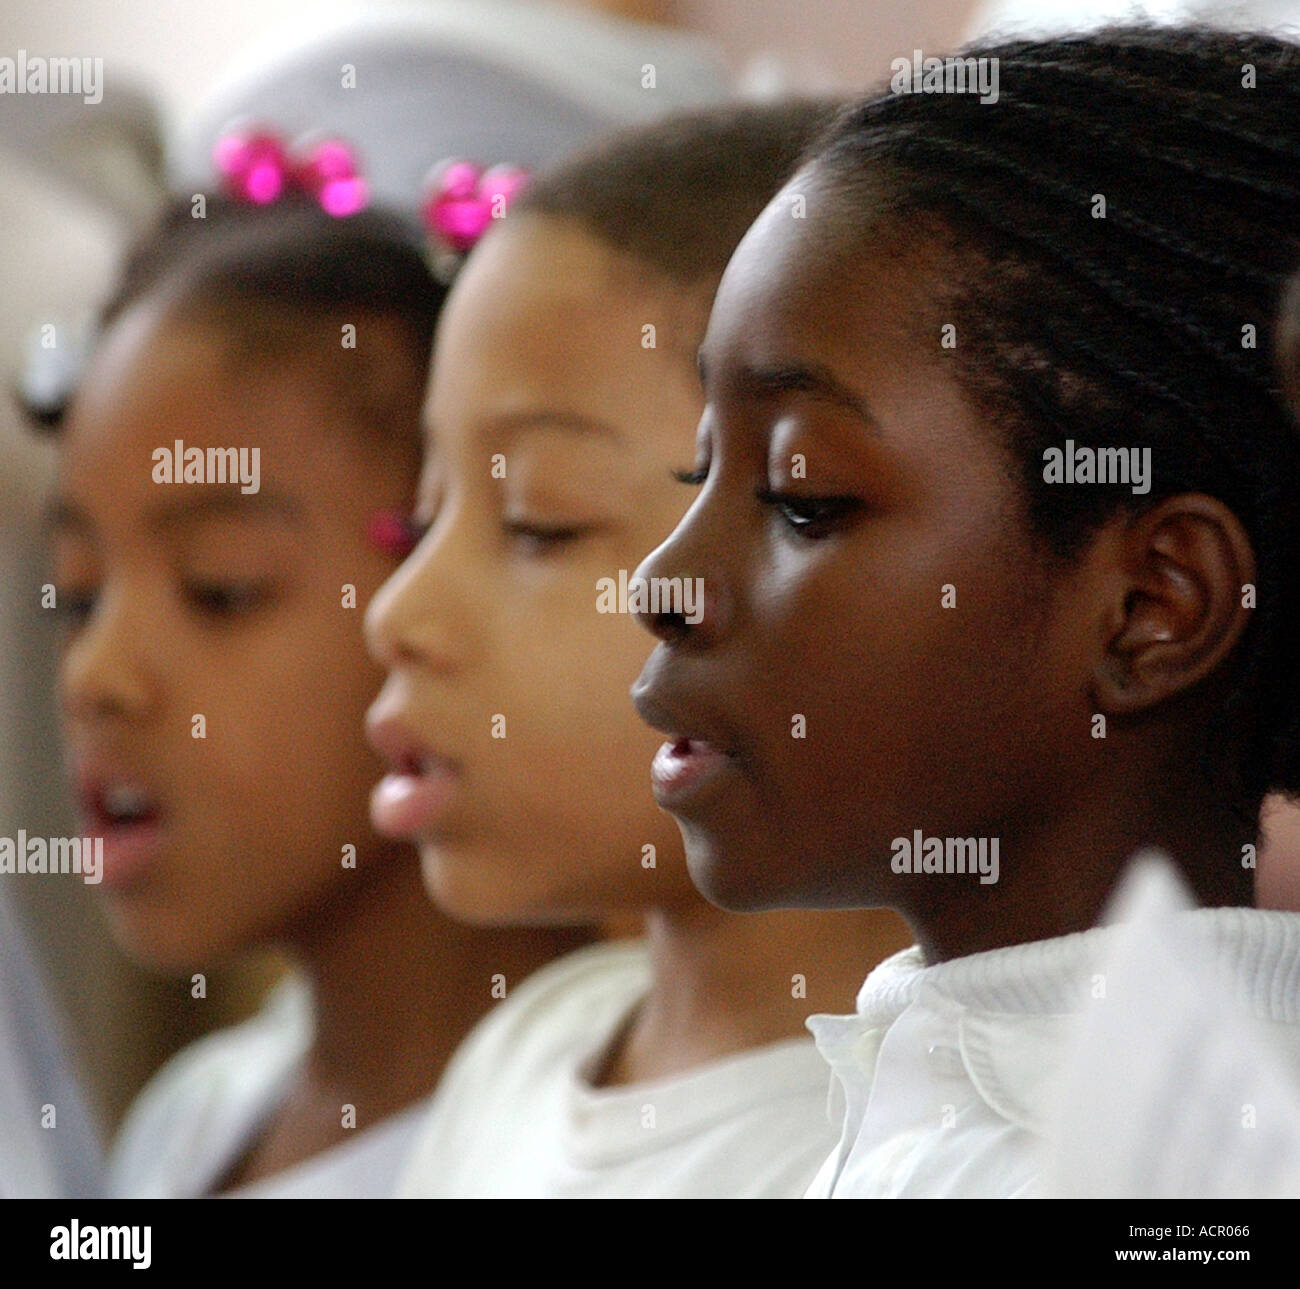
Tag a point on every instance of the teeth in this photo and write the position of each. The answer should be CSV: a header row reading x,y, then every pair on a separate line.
x,y
121,800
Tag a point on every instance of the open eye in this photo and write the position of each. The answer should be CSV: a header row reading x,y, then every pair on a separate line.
x,y
811,517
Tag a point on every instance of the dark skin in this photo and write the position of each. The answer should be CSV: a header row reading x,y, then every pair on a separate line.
x,y
823,598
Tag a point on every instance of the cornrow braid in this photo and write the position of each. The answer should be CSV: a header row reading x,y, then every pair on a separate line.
x,y
1123,218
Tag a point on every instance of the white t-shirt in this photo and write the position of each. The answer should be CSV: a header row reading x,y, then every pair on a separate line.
x,y
204,1108
517,1116
951,1075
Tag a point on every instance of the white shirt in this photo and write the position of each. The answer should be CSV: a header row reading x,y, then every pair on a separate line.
x,y
518,1117
200,1113
950,1073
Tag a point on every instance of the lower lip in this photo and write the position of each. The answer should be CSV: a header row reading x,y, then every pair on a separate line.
x,y
407,806
129,851
682,769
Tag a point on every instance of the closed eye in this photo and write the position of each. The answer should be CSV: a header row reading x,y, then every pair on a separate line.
x,y
539,539
226,599
73,608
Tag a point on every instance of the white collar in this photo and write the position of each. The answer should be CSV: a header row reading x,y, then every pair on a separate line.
x,y
1014,1007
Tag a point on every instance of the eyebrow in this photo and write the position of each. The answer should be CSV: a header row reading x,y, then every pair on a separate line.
x,y
546,419
798,376
221,502
202,502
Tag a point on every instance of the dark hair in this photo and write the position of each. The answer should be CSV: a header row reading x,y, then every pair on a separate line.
x,y
679,194
1288,346
282,279
1133,328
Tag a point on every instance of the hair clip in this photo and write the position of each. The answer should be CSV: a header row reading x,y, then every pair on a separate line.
x,y
460,202
255,166
394,532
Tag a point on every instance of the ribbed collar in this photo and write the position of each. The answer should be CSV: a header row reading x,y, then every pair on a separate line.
x,y
1258,949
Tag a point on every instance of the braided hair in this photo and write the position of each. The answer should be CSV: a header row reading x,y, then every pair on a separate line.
x,y
1122,220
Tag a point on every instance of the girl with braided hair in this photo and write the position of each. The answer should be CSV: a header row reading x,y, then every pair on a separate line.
x,y
1006,684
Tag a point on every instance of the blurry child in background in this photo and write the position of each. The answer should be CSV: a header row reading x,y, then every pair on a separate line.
x,y
214,681
562,400
1015,673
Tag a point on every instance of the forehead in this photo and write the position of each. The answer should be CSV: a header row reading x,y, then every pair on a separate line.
x,y
807,279
160,376
543,311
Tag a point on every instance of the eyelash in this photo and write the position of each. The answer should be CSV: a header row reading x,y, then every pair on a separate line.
x,y
811,517
225,599
220,600
541,538
72,610
828,513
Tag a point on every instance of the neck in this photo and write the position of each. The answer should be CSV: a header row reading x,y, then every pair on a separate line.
x,y
724,983
397,986
1057,877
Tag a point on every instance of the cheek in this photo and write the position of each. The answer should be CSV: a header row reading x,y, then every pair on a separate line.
x,y
571,690
904,665
285,724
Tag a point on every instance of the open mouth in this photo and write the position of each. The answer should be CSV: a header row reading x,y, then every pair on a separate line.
x,y
130,821
118,806
683,766
420,786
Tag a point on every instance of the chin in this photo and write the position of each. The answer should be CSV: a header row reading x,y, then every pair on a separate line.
x,y
164,947
488,892
463,888
724,882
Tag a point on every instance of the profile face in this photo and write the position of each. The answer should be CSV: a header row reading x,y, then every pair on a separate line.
x,y
201,600
516,760
829,701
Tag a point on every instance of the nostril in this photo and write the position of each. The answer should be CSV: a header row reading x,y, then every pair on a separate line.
x,y
669,626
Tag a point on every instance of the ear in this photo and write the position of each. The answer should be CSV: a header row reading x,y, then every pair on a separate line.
x,y
1175,611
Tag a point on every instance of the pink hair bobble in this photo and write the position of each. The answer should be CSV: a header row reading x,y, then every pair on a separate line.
x,y
255,166
460,202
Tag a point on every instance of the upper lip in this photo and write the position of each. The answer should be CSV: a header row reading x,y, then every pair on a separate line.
x,y
658,703
391,737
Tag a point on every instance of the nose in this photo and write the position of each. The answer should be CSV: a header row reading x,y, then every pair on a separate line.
x,y
105,670
690,556
413,617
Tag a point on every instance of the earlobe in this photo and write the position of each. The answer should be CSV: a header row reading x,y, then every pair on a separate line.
x,y
1179,612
